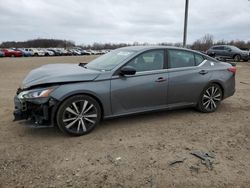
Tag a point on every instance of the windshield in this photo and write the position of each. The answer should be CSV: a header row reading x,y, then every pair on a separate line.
x,y
110,60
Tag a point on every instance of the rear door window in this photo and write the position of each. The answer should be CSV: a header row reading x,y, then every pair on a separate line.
x,y
218,48
181,58
198,59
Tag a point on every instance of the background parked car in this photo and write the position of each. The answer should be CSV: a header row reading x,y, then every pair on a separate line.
x,y
12,53
35,51
75,52
25,53
65,52
228,52
48,52
1,54
85,52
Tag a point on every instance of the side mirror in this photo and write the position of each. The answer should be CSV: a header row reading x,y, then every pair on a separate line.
x,y
127,70
229,50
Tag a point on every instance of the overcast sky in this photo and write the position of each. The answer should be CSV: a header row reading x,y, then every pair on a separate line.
x,y
151,21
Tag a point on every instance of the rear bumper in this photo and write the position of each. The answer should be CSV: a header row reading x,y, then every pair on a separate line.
x,y
229,87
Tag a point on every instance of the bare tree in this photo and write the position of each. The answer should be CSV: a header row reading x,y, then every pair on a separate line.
x,y
204,43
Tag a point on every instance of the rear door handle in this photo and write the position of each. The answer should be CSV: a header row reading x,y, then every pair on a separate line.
x,y
161,79
202,72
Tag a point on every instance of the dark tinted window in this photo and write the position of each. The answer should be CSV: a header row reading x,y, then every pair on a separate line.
x,y
152,60
180,58
198,59
218,48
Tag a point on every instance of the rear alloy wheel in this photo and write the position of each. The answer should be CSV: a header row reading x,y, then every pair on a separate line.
x,y
210,98
237,58
78,115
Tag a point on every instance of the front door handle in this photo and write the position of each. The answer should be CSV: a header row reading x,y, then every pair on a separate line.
x,y
202,72
161,79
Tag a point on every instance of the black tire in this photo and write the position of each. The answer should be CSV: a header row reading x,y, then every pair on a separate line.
x,y
237,58
210,98
78,115
36,54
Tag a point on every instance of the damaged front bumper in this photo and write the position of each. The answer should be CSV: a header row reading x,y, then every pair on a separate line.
x,y
41,111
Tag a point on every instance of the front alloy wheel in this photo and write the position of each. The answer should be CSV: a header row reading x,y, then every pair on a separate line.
x,y
78,115
210,98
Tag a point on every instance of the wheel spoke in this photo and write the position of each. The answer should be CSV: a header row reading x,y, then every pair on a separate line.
x,y
209,102
218,95
74,104
78,126
71,111
90,116
84,106
205,96
89,120
213,103
212,92
88,109
215,90
83,125
71,124
207,91
70,119
216,98
206,102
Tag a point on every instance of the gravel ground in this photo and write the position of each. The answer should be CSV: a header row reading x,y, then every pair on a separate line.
x,y
132,151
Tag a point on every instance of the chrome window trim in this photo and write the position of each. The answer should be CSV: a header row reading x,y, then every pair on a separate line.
x,y
162,70
201,64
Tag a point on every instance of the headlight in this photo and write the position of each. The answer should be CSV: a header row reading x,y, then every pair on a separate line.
x,y
37,93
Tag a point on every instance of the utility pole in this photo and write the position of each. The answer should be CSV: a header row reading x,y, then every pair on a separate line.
x,y
185,24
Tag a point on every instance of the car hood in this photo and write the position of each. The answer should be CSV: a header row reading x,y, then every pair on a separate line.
x,y
58,73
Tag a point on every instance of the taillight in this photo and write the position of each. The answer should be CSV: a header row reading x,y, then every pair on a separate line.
x,y
232,69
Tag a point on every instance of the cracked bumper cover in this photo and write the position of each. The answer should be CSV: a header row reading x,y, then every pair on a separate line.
x,y
40,111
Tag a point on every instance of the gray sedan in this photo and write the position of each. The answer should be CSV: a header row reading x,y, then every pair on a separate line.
x,y
122,82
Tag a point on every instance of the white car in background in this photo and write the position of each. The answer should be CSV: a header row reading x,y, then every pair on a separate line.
x,y
48,52
35,51
94,52
76,52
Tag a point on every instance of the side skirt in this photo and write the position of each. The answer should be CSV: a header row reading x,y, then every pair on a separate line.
x,y
156,109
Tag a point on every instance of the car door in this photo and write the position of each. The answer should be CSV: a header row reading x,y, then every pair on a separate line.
x,y
188,75
220,51
227,52
145,90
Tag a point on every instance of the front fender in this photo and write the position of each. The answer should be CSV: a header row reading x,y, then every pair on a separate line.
x,y
98,89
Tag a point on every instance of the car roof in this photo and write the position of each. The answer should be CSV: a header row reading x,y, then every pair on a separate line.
x,y
143,48
223,45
